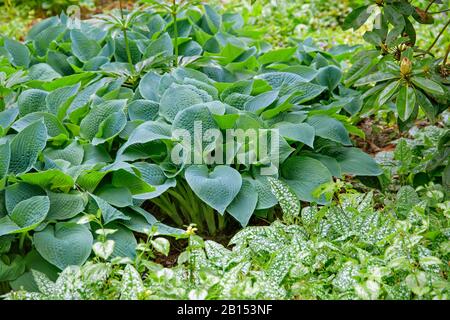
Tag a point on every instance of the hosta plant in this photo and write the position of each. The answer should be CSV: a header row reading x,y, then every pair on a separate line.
x,y
90,122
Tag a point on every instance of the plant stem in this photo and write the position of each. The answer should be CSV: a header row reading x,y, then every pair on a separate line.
x,y
438,36
125,38
447,52
195,202
438,12
209,217
429,5
4,287
175,31
221,220
168,209
23,235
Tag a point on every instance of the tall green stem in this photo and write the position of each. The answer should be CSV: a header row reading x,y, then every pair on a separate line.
x,y
125,38
210,219
221,220
175,31
438,36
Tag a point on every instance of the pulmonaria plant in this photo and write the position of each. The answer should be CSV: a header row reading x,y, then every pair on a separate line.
x,y
340,251
87,131
398,73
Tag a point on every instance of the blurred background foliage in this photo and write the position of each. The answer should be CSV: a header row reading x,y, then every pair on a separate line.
x,y
281,20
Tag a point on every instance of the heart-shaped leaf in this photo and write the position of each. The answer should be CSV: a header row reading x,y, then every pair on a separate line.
x,y
64,244
218,188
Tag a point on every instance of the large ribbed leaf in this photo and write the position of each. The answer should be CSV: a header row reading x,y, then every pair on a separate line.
x,y
26,146
83,47
64,244
90,125
26,215
329,128
304,175
5,154
20,54
206,184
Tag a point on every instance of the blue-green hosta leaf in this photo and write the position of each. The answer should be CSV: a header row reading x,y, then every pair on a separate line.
x,y
49,179
109,213
213,19
153,175
90,125
26,146
147,132
406,102
260,102
355,162
117,196
143,110
65,206
26,215
266,198
140,221
18,192
110,127
331,163
304,175
8,116
124,243
90,179
136,184
45,37
330,77
148,86
19,53
64,244
120,54
83,47
179,97
12,269
244,204
281,80
210,89
301,132
303,92
237,100
53,125
289,203
187,119
277,55
32,100
58,100
330,128
5,154
160,47
73,153
86,95
43,72
206,185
